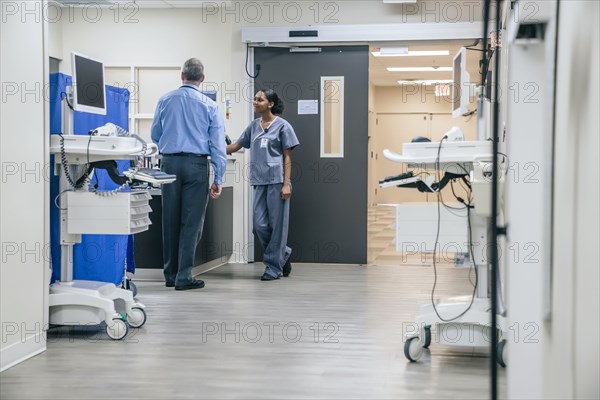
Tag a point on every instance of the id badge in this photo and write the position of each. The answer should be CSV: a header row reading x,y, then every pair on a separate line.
x,y
264,143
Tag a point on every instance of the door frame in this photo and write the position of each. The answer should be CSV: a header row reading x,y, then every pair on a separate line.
x,y
337,35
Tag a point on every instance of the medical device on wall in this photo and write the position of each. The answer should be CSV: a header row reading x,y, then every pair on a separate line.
x,y
461,86
89,90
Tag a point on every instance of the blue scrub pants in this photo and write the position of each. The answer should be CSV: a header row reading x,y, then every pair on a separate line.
x,y
271,222
183,210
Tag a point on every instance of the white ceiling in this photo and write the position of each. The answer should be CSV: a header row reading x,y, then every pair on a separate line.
x,y
380,76
179,3
150,3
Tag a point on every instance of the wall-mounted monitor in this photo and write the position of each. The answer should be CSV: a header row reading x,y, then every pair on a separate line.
x,y
89,91
461,86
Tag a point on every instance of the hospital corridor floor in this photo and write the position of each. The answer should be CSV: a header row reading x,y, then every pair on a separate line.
x,y
328,331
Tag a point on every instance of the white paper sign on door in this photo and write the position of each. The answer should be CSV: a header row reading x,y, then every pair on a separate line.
x,y
308,107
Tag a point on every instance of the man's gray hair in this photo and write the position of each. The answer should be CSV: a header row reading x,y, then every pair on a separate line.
x,y
193,70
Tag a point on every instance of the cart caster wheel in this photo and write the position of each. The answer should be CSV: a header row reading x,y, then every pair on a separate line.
x,y
119,330
413,349
501,353
137,317
133,288
129,285
427,337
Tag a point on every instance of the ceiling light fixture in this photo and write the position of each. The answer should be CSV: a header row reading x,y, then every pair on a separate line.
x,y
426,82
420,69
393,51
412,53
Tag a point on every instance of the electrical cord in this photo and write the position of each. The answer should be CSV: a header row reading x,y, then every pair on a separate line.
x,y
246,65
484,67
449,207
454,193
64,96
63,156
471,252
437,238
506,160
437,160
470,115
58,197
471,46
468,206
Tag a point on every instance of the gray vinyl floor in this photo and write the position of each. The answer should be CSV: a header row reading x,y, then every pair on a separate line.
x,y
328,331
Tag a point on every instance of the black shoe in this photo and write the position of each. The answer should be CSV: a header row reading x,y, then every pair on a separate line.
x,y
287,267
267,277
195,284
169,284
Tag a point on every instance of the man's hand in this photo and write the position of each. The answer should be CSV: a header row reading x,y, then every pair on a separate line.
x,y
215,191
232,148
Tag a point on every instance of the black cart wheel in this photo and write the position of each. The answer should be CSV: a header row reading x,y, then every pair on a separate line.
x,y
427,337
413,349
500,353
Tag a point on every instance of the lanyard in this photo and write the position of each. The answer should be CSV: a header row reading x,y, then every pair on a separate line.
x,y
265,129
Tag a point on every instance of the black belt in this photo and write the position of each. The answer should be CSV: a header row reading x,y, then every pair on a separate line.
x,y
185,155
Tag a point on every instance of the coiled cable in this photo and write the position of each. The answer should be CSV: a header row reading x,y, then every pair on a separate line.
x,y
85,178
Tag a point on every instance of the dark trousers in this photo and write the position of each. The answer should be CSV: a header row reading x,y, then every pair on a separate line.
x,y
184,207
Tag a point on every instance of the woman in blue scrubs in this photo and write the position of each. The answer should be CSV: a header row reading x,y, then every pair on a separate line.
x,y
270,139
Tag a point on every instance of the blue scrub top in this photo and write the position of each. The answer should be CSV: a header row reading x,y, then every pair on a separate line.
x,y
266,149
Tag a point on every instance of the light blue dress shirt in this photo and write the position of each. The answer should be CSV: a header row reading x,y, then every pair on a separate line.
x,y
186,121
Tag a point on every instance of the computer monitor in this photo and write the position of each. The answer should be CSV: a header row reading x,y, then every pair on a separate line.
x,y
89,91
211,94
461,85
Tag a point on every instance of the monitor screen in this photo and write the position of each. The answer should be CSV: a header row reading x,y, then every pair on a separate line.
x,y
211,94
89,92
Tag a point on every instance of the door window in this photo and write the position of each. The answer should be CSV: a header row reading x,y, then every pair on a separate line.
x,y
332,116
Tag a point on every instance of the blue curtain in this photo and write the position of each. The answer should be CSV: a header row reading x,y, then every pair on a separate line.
x,y
97,257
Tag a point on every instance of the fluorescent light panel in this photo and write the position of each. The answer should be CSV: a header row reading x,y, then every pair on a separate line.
x,y
426,82
393,51
412,53
419,69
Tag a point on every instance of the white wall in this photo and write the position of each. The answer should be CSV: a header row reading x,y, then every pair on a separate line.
x,y
54,20
557,356
24,190
404,112
158,37
572,348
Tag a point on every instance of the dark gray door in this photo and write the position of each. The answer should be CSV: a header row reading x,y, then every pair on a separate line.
x,y
328,217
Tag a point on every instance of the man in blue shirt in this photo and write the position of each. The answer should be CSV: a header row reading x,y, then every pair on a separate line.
x,y
187,128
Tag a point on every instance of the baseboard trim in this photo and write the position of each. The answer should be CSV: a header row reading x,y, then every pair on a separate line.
x,y
18,352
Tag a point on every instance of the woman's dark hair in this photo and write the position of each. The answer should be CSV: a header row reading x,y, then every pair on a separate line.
x,y
272,97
